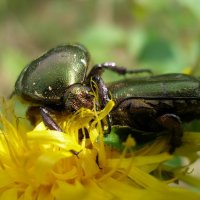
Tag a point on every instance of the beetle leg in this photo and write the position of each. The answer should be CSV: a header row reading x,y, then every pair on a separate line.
x,y
48,120
34,112
99,68
172,123
104,97
103,91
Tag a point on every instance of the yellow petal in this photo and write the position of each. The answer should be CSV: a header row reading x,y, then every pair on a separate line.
x,y
9,194
55,138
62,191
5,179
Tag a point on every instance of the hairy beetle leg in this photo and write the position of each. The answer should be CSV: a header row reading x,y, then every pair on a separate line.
x,y
172,123
48,120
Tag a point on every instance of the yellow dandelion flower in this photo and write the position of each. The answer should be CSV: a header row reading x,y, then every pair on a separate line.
x,y
44,164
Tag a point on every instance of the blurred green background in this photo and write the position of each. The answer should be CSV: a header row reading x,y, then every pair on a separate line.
x,y
157,34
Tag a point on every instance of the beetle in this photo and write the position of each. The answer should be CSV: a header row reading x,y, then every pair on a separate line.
x,y
59,80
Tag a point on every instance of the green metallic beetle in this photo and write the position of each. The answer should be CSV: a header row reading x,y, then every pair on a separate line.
x,y
58,80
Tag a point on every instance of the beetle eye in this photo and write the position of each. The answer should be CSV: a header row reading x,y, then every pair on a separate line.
x,y
78,96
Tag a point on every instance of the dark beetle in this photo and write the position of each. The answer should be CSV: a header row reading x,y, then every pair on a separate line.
x,y
59,80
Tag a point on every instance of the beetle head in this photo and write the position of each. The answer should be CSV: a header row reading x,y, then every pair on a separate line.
x,y
78,96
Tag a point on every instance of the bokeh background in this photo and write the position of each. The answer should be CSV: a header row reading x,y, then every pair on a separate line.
x,y
157,34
